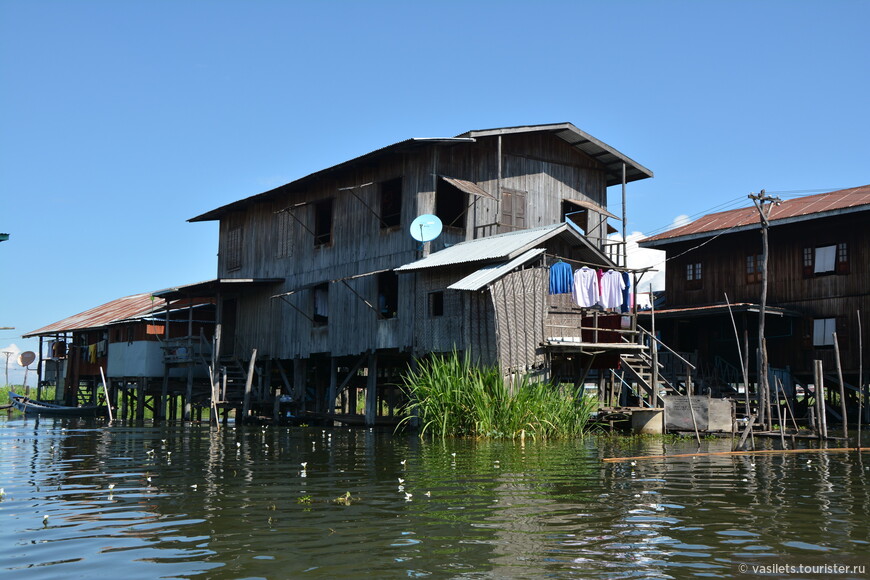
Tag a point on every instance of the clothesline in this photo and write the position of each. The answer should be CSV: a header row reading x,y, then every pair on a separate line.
x,y
602,266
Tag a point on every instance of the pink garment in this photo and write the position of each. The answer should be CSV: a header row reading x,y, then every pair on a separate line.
x,y
586,291
612,286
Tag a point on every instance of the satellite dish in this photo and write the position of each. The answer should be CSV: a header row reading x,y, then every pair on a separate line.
x,y
26,358
426,227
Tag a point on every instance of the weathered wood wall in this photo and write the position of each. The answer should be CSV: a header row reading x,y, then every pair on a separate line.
x,y
519,300
275,245
833,295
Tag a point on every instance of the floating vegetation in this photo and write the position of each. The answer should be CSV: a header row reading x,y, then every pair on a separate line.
x,y
453,397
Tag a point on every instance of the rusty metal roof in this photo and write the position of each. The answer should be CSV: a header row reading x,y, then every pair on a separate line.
x,y
789,211
111,312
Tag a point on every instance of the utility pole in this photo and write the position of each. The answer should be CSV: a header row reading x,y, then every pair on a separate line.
x,y
763,203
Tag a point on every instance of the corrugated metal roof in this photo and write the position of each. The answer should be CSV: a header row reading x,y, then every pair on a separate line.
x,y
612,159
496,247
489,274
108,313
798,209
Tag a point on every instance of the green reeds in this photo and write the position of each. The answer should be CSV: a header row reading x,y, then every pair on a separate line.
x,y
452,397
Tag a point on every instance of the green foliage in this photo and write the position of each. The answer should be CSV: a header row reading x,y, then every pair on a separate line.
x,y
453,397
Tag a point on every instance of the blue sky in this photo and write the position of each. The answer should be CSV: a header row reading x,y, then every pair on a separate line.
x,y
121,120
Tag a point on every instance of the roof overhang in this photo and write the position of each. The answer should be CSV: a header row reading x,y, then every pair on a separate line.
x,y
213,287
612,160
654,243
489,274
303,182
507,247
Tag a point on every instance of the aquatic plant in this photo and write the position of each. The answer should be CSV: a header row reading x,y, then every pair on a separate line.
x,y
452,396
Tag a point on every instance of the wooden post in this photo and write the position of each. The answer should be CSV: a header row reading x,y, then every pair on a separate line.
x,y
860,377
842,388
654,353
140,398
300,386
764,203
246,405
333,386
820,388
372,390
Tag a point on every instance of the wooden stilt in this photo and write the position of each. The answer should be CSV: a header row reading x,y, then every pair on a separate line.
x,y
246,405
842,388
372,390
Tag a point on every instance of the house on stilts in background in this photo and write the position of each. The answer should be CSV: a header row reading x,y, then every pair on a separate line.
x,y
818,293
323,298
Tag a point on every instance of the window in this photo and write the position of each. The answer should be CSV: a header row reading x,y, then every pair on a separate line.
x,y
823,331
323,222
391,203
825,260
693,276
450,204
320,304
388,294
753,268
234,249
436,304
513,210
283,231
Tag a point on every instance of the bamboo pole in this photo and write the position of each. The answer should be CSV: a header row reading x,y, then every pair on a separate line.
x,y
779,413
842,387
860,377
106,390
752,452
246,405
820,393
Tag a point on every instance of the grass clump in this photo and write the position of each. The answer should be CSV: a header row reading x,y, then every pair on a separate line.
x,y
453,397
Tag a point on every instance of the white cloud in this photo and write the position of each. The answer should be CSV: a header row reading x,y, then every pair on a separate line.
x,y
680,220
640,258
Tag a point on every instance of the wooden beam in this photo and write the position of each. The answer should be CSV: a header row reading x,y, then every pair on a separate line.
x,y
246,405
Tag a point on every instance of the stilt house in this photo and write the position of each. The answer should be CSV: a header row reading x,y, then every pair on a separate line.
x,y
819,249
322,285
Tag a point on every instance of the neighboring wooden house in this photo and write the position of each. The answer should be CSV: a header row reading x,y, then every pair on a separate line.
x,y
337,298
818,282
145,346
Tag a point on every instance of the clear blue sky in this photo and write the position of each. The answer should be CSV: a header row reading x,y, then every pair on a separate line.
x,y
119,120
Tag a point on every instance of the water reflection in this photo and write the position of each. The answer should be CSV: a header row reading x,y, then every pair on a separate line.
x,y
189,500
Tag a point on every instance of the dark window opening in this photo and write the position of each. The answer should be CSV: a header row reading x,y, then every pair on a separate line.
x,y
323,222
451,204
436,304
320,304
234,249
391,203
388,294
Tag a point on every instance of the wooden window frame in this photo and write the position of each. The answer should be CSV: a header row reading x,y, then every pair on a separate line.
x,y
841,260
318,318
753,268
694,276
391,204
234,249
388,295
323,222
436,304
451,205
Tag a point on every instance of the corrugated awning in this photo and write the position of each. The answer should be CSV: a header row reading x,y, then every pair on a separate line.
x,y
467,186
489,274
593,206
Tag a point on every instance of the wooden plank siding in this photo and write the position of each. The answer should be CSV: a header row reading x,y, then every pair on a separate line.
x,y
259,241
836,295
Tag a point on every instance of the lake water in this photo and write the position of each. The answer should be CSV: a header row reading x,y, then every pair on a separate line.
x,y
192,501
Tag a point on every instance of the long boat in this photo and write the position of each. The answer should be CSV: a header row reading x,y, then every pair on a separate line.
x,y
33,407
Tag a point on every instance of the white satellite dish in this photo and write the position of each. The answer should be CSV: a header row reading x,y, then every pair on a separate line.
x,y
426,227
26,358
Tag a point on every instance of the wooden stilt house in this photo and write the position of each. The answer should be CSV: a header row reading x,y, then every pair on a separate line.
x,y
321,284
